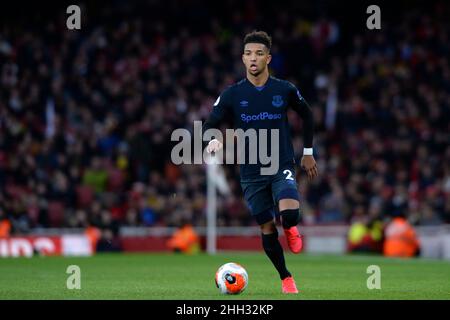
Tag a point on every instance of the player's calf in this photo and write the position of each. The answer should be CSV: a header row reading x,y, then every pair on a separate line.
x,y
289,219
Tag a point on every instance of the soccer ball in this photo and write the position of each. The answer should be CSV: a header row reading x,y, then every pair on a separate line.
x,y
231,278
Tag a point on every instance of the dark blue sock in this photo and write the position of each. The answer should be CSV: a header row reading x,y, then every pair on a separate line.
x,y
274,251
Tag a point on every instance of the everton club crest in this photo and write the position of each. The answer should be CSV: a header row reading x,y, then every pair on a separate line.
x,y
277,101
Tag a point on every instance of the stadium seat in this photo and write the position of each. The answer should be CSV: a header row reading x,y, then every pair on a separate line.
x,y
116,179
55,214
85,195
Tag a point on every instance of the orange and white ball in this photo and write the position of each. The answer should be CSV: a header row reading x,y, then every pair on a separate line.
x,y
231,278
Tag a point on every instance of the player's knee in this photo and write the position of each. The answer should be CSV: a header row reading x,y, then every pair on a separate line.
x,y
268,228
265,217
270,241
290,217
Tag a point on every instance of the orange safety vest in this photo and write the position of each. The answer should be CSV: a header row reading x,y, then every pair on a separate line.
x,y
93,235
5,228
184,239
400,239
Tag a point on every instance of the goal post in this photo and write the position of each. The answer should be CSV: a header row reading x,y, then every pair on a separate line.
x,y
215,181
211,213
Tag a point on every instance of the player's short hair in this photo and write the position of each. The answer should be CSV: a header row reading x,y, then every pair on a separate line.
x,y
258,37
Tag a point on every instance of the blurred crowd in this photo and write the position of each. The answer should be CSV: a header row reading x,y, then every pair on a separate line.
x,y
86,116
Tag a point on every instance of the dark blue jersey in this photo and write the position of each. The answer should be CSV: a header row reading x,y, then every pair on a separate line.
x,y
263,108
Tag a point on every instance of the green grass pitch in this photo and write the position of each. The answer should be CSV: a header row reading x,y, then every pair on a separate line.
x,y
171,276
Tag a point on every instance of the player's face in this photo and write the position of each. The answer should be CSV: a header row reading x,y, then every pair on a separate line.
x,y
256,57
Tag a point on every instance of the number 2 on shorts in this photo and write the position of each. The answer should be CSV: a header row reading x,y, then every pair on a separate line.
x,y
289,174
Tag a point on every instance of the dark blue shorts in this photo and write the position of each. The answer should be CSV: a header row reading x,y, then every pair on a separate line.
x,y
263,192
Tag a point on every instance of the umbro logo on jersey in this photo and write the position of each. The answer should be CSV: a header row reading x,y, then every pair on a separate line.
x,y
244,103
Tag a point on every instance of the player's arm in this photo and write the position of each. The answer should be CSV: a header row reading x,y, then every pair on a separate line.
x,y
299,104
220,108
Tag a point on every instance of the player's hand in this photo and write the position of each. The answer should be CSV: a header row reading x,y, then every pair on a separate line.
x,y
214,145
309,165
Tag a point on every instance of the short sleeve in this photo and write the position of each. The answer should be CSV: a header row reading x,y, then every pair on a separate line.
x,y
296,100
221,108
221,105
